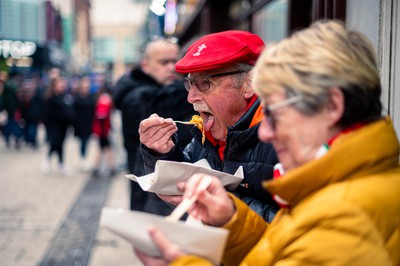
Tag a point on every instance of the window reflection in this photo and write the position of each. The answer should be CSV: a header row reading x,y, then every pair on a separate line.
x,y
271,22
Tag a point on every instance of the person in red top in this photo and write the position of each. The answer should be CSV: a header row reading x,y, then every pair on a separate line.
x,y
101,128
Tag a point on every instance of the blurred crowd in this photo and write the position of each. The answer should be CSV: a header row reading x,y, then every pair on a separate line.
x,y
63,105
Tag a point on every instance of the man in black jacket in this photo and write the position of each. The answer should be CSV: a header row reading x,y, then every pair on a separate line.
x,y
219,86
151,88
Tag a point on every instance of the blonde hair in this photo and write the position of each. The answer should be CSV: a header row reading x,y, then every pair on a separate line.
x,y
316,59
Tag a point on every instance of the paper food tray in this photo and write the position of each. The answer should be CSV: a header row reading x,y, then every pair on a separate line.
x,y
168,173
200,240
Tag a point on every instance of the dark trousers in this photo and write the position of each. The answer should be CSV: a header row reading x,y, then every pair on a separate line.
x,y
30,133
57,134
83,145
12,128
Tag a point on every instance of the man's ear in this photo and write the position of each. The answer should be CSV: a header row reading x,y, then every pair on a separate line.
x,y
248,91
335,107
143,65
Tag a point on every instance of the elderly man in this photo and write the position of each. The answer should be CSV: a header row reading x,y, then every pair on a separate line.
x,y
152,87
219,88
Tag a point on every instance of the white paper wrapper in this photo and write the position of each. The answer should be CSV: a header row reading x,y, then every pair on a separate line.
x,y
192,238
168,173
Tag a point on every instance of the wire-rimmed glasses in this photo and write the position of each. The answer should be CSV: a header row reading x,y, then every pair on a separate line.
x,y
268,109
202,83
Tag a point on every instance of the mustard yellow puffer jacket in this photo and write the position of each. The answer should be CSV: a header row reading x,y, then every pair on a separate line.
x,y
345,209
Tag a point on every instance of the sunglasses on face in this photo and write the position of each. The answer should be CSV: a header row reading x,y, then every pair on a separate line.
x,y
202,83
268,109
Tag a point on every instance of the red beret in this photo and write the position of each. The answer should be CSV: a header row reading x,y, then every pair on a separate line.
x,y
219,50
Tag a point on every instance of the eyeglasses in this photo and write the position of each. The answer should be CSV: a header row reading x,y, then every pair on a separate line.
x,y
268,109
202,83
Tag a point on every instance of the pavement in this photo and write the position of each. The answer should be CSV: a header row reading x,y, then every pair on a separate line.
x,y
53,219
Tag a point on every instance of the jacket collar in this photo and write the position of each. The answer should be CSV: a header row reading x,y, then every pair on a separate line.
x,y
374,148
252,113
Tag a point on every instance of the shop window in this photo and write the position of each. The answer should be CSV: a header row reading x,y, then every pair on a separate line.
x,y
132,50
236,7
270,22
104,49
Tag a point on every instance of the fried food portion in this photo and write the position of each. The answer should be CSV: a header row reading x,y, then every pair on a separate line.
x,y
198,122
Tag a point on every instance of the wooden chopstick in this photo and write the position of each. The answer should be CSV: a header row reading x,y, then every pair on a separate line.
x,y
186,203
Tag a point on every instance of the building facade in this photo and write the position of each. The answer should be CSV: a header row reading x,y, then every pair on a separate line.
x,y
117,36
275,19
36,35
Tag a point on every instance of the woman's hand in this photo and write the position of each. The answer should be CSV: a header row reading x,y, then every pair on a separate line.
x,y
169,250
213,205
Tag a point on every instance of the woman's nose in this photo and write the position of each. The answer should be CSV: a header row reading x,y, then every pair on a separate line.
x,y
265,131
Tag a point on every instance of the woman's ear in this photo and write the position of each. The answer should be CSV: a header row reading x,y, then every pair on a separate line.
x,y
335,106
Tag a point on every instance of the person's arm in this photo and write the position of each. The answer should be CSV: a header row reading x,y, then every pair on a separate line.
x,y
150,157
191,153
246,228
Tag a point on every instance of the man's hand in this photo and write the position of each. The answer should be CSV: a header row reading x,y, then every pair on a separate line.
x,y
169,250
171,199
156,132
174,199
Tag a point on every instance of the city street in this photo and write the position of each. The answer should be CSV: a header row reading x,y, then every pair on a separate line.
x,y
53,219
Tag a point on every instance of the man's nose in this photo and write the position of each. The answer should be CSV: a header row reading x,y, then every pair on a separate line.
x,y
194,95
171,65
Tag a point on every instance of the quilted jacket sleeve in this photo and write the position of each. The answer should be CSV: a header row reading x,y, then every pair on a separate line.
x,y
150,159
244,224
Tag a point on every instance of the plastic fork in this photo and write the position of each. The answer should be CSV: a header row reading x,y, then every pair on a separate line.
x,y
184,122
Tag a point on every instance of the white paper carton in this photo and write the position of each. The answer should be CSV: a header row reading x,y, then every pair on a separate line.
x,y
168,173
192,238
